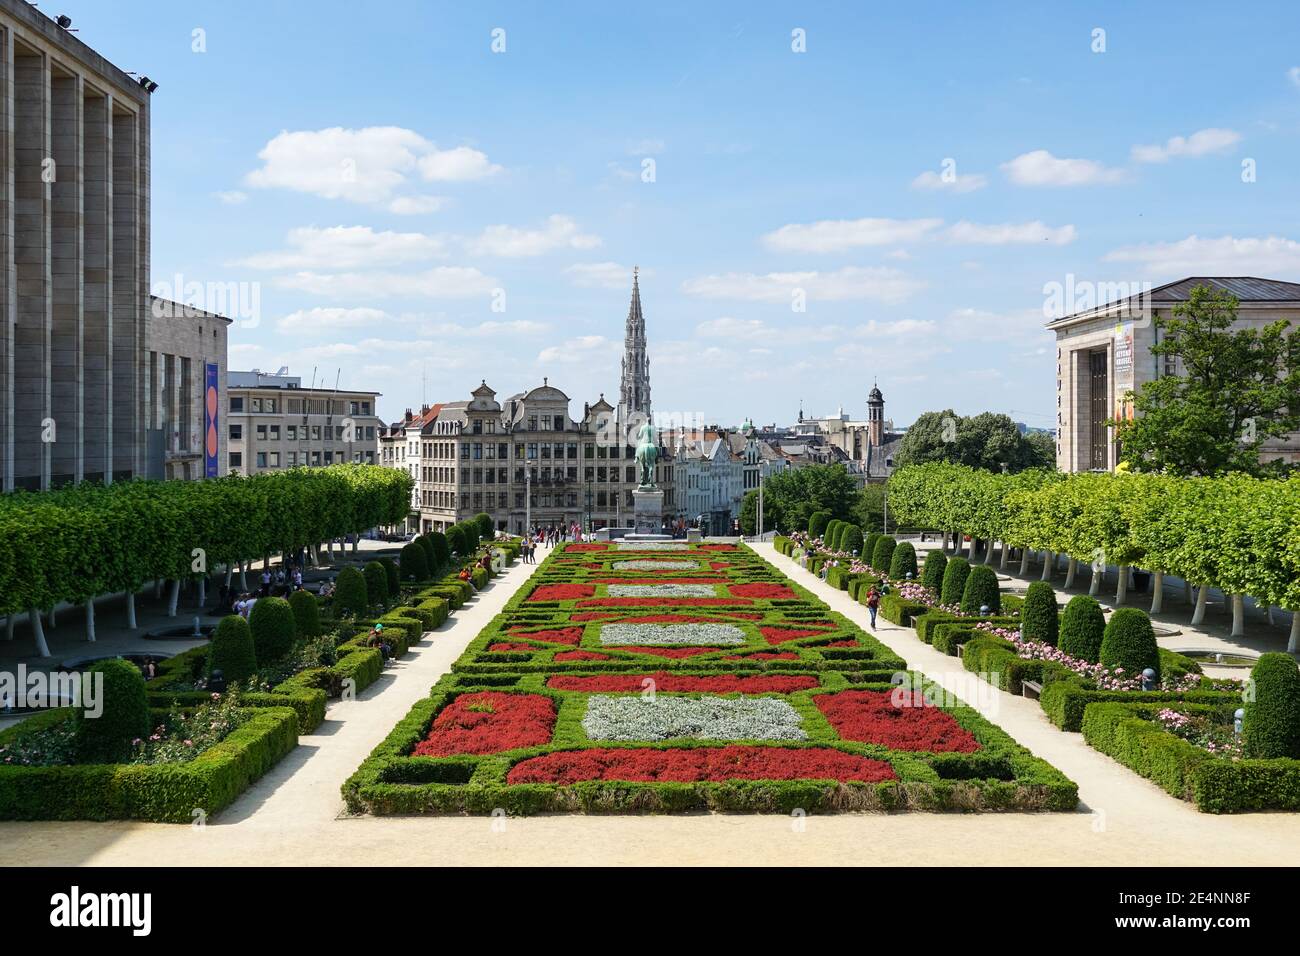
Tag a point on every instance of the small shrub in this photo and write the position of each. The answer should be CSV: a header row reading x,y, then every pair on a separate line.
x,y
377,580
903,562
479,576
1082,626
487,528
818,522
1271,727
1129,642
414,566
350,595
274,629
883,553
869,545
231,650
306,614
954,580
981,590
1039,616
852,540
932,575
430,553
125,717
441,550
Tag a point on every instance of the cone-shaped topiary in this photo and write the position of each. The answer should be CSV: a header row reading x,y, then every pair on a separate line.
x,y
350,597
883,553
903,562
1039,616
456,539
869,545
1082,626
1129,642
852,540
274,629
932,575
818,522
231,650
414,566
487,528
430,555
832,535
109,737
377,579
954,580
306,614
392,576
1271,727
441,549
981,590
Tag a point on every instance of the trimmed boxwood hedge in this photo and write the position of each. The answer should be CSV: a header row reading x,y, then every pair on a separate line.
x,y
903,561
1040,618
1082,625
817,523
1129,642
350,594
981,590
414,564
932,574
955,573
274,629
124,717
883,553
231,649
306,613
1271,727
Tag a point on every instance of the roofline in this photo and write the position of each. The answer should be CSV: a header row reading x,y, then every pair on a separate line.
x,y
1153,299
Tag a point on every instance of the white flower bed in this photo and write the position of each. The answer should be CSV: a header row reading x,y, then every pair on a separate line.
x,y
671,634
651,564
650,546
663,590
660,717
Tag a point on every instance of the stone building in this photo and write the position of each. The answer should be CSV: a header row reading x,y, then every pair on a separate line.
x,y
866,448
273,422
1104,352
74,258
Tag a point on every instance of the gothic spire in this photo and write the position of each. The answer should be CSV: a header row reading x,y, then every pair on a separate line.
x,y
634,390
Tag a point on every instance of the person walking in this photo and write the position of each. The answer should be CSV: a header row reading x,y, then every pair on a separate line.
x,y
873,604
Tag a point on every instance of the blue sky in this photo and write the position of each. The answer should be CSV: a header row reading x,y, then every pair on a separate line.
x,y
421,212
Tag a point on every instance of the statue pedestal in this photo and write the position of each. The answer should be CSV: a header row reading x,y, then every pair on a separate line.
x,y
648,515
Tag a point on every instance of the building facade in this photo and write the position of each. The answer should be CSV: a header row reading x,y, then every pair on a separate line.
x,y
74,258
1103,353
272,423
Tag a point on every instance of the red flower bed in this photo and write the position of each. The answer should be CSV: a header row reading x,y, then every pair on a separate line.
x,y
718,565
669,619
716,547
762,589
587,546
631,579
503,647
661,602
593,616
764,656
665,651
489,722
712,683
688,765
870,716
562,592
581,656
847,642
554,635
778,635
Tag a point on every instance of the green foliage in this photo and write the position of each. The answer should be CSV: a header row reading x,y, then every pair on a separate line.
x,y
441,549
392,576
869,510
1239,388
479,576
1129,642
1271,727
487,528
377,580
987,441
231,650
1082,626
903,561
852,540
350,594
773,518
955,574
800,492
869,545
306,613
125,717
883,553
980,590
274,629
430,554
833,531
1040,617
936,562
414,565
817,523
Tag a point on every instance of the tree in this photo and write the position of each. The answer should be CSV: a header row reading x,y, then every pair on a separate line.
x,y
1271,727
772,517
1236,389
377,580
989,441
868,510
1082,625
799,492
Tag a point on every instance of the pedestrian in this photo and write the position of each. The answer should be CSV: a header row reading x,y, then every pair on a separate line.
x,y
266,582
150,669
873,604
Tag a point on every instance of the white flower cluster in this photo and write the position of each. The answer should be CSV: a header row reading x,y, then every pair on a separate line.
x,y
663,590
651,564
650,546
660,717
671,634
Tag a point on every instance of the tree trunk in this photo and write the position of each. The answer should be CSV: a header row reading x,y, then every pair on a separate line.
x,y
1272,618
1293,644
1006,554
356,541
1157,592
52,620
1188,597
230,573
243,581
38,633
1202,593
1071,568
1098,572
1024,562
174,598
1049,560
988,554
90,620
1238,616
130,610
970,551
1121,589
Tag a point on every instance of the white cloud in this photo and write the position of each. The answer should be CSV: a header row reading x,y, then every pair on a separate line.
x,y
743,331
645,147
849,283
1041,168
243,352
602,275
961,183
560,232
367,165
415,205
1001,234
727,327
347,247
837,235
584,348
1200,143
1293,75
306,320
231,197
983,325
443,282
1225,256
899,328
485,329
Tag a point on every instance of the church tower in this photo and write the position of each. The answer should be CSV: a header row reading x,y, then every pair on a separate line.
x,y
634,391
875,417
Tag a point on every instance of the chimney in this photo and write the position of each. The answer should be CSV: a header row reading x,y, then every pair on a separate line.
x,y
408,415
424,409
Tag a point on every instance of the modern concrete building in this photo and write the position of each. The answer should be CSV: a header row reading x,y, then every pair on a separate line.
x,y
272,422
74,257
1104,352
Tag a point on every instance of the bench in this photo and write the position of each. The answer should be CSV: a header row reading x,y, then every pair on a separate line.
x,y
1031,689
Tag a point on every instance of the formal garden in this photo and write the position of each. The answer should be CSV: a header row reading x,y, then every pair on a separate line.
x,y
632,677
1225,745
217,717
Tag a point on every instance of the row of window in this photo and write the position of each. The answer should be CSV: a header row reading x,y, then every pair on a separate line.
x,y
295,459
304,433
498,476
531,451
296,406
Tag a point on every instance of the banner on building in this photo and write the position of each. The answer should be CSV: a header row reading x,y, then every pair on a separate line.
x,y
1124,356
211,415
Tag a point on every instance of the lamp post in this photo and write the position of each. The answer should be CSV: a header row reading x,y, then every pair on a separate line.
x,y
589,528
762,467
528,499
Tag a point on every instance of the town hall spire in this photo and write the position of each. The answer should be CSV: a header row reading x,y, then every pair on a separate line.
x,y
634,391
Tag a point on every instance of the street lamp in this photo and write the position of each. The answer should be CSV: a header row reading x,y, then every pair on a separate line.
x,y
528,499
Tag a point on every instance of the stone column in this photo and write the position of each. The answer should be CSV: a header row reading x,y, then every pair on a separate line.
x,y
97,303
67,277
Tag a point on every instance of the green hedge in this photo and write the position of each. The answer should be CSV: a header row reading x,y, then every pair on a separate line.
x,y
1272,723
897,610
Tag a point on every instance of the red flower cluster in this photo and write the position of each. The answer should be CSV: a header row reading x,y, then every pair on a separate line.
x,y
762,589
847,642
669,683
629,579
502,647
656,601
665,651
764,656
587,546
581,656
554,635
688,765
716,547
778,635
489,722
871,717
562,592
718,565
